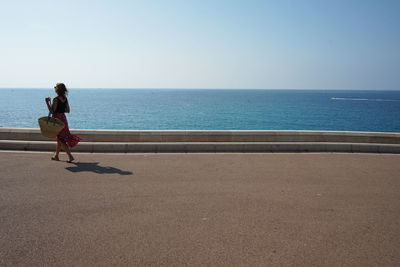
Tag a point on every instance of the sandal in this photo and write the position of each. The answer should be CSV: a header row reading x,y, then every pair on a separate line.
x,y
55,158
70,160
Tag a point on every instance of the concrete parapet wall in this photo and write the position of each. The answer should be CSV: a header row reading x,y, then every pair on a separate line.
x,y
207,141
209,136
195,147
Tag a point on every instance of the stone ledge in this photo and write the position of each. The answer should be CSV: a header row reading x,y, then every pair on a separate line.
x,y
193,147
124,136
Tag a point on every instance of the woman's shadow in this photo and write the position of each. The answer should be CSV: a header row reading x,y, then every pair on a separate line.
x,y
96,168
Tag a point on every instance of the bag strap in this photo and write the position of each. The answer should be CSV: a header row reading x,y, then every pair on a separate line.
x,y
48,116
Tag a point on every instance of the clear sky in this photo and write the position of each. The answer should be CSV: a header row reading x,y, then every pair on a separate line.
x,y
279,44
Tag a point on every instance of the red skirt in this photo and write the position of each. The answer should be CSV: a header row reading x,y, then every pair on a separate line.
x,y
65,136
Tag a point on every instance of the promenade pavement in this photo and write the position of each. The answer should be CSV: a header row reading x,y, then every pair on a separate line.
x,y
272,209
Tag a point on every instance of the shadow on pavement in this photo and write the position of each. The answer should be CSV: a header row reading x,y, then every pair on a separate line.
x,y
94,167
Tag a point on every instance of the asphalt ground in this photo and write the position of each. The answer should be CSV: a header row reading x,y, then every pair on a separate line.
x,y
273,209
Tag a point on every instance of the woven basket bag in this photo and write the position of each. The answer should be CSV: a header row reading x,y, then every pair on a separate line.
x,y
50,127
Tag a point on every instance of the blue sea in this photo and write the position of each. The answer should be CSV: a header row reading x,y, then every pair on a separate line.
x,y
192,109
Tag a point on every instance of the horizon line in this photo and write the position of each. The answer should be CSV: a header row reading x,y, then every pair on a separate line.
x,y
194,88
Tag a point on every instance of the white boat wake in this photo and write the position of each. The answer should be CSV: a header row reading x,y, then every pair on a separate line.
x,y
362,99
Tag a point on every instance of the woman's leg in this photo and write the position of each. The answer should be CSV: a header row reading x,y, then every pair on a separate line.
x,y
58,148
66,148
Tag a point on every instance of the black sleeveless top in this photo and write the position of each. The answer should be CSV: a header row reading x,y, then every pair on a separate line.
x,y
61,106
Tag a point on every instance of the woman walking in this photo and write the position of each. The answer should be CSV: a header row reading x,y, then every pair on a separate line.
x,y
58,109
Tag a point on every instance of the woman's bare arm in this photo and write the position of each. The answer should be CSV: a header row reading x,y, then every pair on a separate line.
x,y
54,106
48,105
